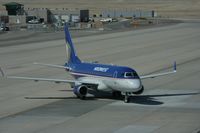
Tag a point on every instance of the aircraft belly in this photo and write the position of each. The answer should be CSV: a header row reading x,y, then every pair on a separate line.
x,y
113,84
110,84
122,85
101,85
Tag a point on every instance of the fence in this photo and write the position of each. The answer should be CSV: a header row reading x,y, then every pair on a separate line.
x,y
127,13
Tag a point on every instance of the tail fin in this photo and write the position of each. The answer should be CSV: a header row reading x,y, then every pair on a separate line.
x,y
72,57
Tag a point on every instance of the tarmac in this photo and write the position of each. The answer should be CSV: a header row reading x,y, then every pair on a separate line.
x,y
169,104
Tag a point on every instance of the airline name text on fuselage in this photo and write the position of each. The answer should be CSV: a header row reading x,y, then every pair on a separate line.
x,y
101,69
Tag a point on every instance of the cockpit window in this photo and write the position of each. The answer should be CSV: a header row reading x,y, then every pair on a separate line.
x,y
130,75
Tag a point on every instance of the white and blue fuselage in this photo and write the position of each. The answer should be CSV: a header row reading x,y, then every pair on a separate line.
x,y
108,77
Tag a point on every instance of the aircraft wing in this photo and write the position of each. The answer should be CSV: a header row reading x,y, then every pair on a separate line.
x,y
52,80
52,65
48,79
159,74
42,79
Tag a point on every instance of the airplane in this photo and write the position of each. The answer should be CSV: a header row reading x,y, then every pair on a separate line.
x,y
119,80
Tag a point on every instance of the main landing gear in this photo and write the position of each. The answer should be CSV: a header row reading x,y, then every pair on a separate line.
x,y
116,94
119,94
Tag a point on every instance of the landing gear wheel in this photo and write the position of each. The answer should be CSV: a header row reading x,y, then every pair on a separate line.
x,y
82,97
116,94
126,98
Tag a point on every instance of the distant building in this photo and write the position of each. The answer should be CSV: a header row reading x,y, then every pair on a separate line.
x,y
3,12
40,14
3,15
15,13
59,17
84,15
14,8
18,14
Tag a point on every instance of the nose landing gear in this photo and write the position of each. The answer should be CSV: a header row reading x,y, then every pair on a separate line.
x,y
128,94
126,98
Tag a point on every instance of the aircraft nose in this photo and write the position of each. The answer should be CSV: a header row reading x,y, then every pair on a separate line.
x,y
136,83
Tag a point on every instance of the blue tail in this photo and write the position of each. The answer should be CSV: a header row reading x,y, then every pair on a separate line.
x,y
72,57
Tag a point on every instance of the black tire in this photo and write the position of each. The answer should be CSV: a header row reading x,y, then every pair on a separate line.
x,y
116,94
127,100
82,97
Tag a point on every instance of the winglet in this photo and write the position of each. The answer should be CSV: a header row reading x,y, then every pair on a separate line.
x,y
2,73
174,66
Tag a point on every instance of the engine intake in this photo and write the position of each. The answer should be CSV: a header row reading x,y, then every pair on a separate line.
x,y
80,91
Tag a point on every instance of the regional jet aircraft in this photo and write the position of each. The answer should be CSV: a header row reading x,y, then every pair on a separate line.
x,y
120,80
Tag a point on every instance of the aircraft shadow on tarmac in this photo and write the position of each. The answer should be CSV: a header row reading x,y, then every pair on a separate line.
x,y
152,99
137,99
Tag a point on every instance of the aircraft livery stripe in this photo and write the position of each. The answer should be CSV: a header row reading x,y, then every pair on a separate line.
x,y
95,76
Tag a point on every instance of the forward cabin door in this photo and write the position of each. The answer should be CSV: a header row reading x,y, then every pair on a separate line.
x,y
115,84
115,74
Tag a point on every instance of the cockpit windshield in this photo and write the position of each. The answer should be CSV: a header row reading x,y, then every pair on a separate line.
x,y
130,75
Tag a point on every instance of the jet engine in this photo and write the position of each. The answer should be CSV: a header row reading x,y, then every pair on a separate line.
x,y
80,91
139,91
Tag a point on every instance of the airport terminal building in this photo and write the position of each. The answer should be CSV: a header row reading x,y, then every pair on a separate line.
x,y
16,15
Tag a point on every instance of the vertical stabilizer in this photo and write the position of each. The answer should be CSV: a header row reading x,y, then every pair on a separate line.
x,y
72,57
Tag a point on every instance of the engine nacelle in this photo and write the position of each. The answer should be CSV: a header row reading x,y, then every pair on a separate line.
x,y
80,91
139,92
